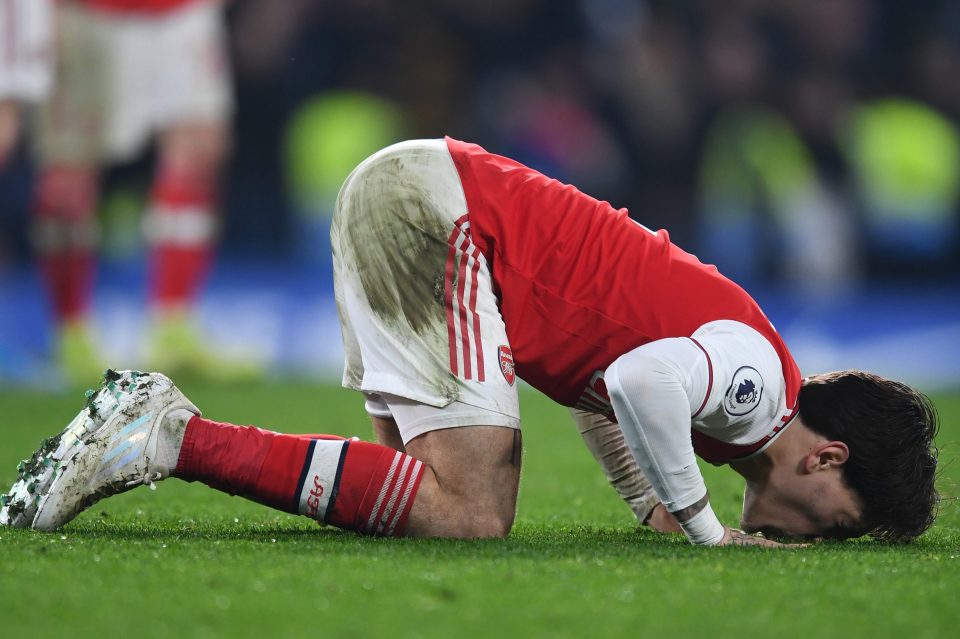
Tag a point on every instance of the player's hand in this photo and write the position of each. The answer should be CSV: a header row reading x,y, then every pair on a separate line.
x,y
736,537
661,520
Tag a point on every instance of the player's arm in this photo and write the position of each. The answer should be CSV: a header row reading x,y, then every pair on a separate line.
x,y
605,441
655,389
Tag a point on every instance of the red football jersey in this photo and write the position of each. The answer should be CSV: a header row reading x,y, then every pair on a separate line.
x,y
580,283
135,6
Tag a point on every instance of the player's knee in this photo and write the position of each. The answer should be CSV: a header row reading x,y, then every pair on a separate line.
x,y
66,193
499,525
198,149
485,523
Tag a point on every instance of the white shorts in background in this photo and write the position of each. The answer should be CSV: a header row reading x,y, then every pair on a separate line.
x,y
26,49
121,78
422,331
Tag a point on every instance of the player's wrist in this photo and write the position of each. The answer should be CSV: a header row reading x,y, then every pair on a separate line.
x,y
704,528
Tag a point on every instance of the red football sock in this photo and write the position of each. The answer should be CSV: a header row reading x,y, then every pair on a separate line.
x,y
345,483
66,236
180,230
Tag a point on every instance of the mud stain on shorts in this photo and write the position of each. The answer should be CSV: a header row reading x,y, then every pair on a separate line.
x,y
396,243
401,254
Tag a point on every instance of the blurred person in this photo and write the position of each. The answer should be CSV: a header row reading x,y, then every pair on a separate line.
x,y
640,57
458,271
764,207
829,34
26,64
128,70
550,128
643,59
328,135
905,160
932,56
935,67
264,32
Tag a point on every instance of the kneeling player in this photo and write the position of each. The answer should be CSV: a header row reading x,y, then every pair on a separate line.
x,y
457,271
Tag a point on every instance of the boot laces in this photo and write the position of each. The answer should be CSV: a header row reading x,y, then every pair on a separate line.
x,y
147,479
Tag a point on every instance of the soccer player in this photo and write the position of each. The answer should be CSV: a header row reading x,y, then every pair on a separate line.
x,y
128,70
458,271
26,64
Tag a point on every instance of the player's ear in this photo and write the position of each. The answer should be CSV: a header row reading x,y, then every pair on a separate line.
x,y
826,455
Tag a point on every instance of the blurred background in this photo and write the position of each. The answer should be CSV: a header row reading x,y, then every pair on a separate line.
x,y
809,148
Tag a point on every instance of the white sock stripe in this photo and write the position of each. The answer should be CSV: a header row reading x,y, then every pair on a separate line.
x,y
390,511
406,496
191,225
383,490
319,479
397,485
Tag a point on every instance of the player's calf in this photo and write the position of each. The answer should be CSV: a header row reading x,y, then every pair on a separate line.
x,y
152,431
64,234
350,484
470,486
459,517
361,486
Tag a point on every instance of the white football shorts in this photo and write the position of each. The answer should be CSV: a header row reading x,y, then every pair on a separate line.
x,y
26,49
122,78
422,332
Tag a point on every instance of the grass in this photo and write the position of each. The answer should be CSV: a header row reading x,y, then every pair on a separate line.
x,y
186,561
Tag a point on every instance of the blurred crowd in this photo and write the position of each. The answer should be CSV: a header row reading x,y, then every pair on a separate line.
x,y
807,141
814,140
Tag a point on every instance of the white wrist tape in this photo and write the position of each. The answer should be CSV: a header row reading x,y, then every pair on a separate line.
x,y
703,528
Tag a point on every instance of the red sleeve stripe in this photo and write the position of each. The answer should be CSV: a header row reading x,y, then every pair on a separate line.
x,y
709,377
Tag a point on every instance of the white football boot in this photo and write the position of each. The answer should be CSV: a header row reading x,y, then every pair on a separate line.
x,y
129,443
19,505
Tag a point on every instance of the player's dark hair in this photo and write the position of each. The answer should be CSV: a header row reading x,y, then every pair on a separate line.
x,y
889,429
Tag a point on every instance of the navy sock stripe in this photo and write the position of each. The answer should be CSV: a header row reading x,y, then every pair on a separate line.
x,y
303,476
336,482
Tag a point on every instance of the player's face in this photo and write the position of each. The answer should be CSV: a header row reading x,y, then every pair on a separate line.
x,y
814,507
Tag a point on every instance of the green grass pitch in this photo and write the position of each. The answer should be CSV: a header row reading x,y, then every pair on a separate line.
x,y
186,561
